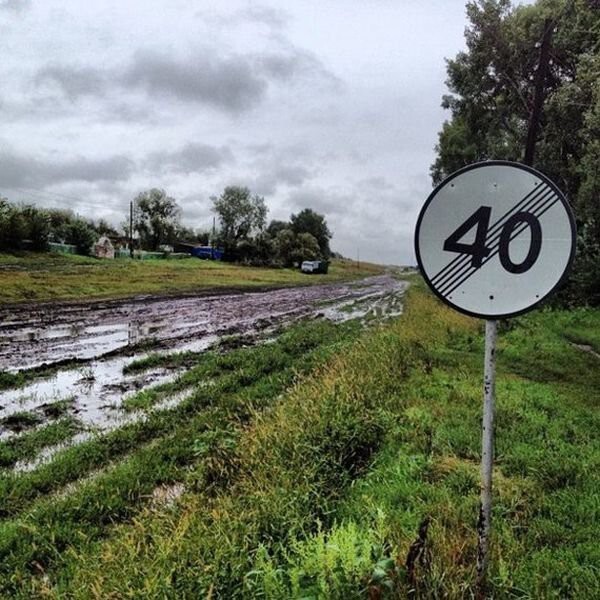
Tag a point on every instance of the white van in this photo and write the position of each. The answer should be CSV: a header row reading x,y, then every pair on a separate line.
x,y
309,266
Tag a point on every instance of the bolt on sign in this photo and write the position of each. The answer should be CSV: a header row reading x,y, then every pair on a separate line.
x,y
494,240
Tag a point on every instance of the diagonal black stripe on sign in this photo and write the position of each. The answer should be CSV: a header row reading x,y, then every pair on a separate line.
x,y
463,259
454,265
518,231
491,242
449,285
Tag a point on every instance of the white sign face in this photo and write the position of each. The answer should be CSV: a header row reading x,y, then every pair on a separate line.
x,y
494,239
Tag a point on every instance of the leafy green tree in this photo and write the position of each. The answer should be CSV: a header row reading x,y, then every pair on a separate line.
x,y
240,215
256,251
290,248
284,246
60,221
103,228
306,248
37,224
13,228
81,235
188,234
309,221
491,101
276,226
157,218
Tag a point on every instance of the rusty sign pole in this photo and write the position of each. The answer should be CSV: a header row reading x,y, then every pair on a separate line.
x,y
487,454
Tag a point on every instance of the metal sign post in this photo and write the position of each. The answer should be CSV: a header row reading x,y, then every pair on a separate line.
x,y
493,241
487,453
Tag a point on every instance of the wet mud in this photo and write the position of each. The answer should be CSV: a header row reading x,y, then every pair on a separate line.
x,y
89,345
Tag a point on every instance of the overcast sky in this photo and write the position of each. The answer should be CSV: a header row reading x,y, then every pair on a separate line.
x,y
327,104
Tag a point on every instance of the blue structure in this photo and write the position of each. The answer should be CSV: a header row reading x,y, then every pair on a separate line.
x,y
207,252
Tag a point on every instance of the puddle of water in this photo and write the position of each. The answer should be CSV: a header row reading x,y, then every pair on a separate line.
x,y
97,389
120,419
48,453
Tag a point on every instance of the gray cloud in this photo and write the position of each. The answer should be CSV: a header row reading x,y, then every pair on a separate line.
x,y
128,113
18,170
273,17
276,166
291,62
233,83
268,182
15,5
326,201
73,81
191,158
228,83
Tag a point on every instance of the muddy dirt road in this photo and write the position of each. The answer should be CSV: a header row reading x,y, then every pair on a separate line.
x,y
33,336
104,337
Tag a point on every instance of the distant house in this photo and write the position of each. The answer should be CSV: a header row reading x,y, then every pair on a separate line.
x,y
104,248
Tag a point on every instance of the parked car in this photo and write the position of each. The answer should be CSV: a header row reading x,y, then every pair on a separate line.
x,y
315,266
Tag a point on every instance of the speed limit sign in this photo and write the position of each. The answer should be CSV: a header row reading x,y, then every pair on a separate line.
x,y
494,239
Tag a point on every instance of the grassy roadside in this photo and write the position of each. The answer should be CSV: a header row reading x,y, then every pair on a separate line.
x,y
76,498
324,495
46,277
311,466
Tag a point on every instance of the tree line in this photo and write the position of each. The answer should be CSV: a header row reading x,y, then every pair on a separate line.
x,y
555,44
243,232
32,228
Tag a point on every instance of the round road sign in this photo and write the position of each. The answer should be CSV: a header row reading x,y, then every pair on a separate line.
x,y
494,239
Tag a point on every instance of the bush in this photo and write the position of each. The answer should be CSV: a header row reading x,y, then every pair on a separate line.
x,y
38,227
12,226
80,234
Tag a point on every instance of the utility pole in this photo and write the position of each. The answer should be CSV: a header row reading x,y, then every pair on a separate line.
x,y
212,241
131,228
539,96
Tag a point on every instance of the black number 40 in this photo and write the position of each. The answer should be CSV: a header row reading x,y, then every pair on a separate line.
x,y
478,249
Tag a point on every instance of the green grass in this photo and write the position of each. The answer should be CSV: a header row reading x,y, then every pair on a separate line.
x,y
44,277
135,459
312,464
28,445
21,420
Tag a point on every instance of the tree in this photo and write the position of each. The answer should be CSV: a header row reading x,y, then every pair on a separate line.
x,y
60,221
240,215
103,228
37,225
255,251
291,248
306,248
284,244
309,221
492,99
188,234
81,235
13,228
157,218
276,226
